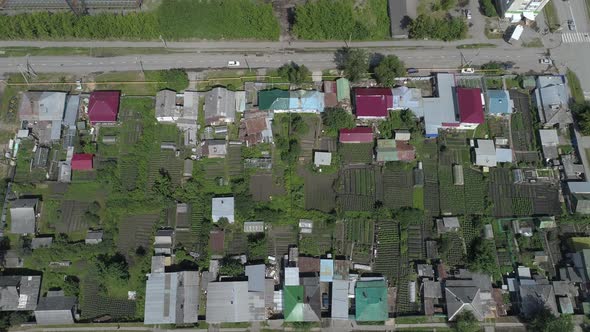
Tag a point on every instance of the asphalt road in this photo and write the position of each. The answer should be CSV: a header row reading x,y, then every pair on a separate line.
x,y
423,58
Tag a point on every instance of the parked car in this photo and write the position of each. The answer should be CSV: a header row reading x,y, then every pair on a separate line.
x,y
233,63
467,71
411,70
468,13
571,25
545,61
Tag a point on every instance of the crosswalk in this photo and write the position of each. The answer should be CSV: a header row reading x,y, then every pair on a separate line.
x,y
576,37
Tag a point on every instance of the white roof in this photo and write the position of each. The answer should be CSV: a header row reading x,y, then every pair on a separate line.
x,y
579,187
291,276
322,158
503,155
524,272
451,222
549,137
485,153
223,207
402,135
517,32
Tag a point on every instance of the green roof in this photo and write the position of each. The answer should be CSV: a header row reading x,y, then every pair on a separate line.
x,y
273,100
342,89
293,303
371,301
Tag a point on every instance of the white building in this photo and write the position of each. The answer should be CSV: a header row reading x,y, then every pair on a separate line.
x,y
515,10
223,207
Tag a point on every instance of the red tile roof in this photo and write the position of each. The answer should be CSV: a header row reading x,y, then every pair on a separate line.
x,y
82,162
470,105
405,151
373,102
356,135
103,106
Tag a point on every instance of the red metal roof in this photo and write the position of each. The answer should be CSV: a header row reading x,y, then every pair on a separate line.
x,y
356,135
405,151
103,106
470,105
82,162
373,102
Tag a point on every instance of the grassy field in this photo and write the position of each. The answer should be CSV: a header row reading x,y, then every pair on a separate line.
x,y
573,82
551,17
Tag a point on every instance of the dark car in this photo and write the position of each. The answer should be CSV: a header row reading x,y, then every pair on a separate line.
x,y
412,70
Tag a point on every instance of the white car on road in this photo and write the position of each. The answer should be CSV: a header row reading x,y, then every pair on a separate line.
x,y
233,63
467,71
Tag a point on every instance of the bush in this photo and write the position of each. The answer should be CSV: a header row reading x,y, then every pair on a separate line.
x,y
335,119
488,8
342,20
294,73
582,113
448,28
389,69
355,63
173,79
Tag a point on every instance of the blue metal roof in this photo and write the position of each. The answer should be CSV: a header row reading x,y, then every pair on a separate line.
x,y
499,102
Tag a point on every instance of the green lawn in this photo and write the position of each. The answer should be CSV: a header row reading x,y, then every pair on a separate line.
x,y
551,17
418,198
576,91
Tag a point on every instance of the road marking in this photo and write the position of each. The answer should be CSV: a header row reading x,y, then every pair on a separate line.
x,y
575,37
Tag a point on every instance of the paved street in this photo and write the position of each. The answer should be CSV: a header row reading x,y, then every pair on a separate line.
x,y
424,58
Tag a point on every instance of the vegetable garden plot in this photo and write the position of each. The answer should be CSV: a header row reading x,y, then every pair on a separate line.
x,y
356,153
72,217
135,231
319,191
388,249
397,188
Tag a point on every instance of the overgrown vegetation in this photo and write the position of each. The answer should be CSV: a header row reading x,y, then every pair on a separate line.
x,y
388,69
582,113
335,119
447,28
575,87
294,73
488,8
174,19
354,62
342,20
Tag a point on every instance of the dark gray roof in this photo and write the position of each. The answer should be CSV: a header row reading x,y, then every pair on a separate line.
x,y
71,114
536,296
219,103
172,298
51,303
41,242
231,302
19,292
22,216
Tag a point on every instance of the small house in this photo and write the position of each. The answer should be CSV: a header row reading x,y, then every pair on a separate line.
x,y
305,225
103,107
19,293
343,90
82,162
222,207
499,102
215,148
579,197
93,237
402,135
23,213
164,242
357,135
373,103
56,309
485,153
470,106
321,158
549,143
41,242
254,227
448,224
552,101
371,301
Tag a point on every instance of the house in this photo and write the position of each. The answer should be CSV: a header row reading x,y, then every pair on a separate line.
x,y
70,118
321,158
299,101
356,135
515,10
549,143
223,207
307,264
372,103
291,277
215,148
408,98
448,224
23,213
231,302
432,296
93,237
469,291
42,112
371,301
172,298
19,293
499,102
103,107
64,172
302,303
164,242
552,100
340,302
534,296
572,169
167,109
579,197
220,106
11,259
343,90
392,150
305,225
82,162
470,107
41,242
256,128
400,13
56,309
439,111
254,227
504,155
485,153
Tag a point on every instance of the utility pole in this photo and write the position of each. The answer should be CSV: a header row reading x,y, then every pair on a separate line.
x,y
163,41
22,72
30,71
139,60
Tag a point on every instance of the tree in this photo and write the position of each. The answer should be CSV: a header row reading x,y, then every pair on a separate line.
x,y
482,257
466,322
582,113
544,321
335,119
355,63
174,79
488,8
231,267
447,28
389,69
294,73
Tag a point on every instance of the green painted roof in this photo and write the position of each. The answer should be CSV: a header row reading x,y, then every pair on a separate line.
x,y
274,99
371,301
293,303
342,89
